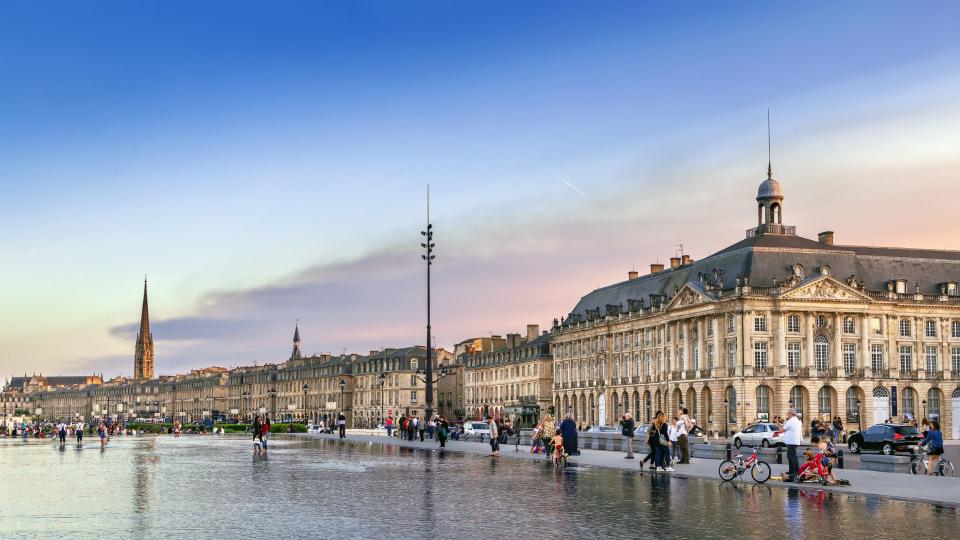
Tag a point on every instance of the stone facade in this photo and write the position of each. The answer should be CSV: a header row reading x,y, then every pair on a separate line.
x,y
847,339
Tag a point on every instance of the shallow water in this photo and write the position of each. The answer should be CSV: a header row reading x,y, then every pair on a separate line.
x,y
213,487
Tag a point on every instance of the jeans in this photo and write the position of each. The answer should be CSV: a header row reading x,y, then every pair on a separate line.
x,y
628,446
660,456
794,465
343,431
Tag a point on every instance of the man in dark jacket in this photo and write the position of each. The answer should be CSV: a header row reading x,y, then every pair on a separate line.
x,y
568,430
627,428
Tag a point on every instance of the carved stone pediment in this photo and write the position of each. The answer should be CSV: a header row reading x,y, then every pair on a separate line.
x,y
688,296
825,288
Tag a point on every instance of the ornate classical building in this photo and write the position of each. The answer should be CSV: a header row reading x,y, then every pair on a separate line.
x,y
772,321
513,381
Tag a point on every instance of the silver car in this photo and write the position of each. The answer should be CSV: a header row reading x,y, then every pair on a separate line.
x,y
761,434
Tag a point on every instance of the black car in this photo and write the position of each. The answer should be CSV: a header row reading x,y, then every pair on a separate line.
x,y
885,438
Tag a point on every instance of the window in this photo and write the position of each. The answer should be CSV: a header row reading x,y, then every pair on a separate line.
x,y
648,337
413,364
796,399
932,357
852,407
695,359
848,326
821,321
933,403
875,328
906,358
681,327
930,328
955,359
793,357
793,323
709,327
731,354
413,397
659,362
681,364
901,286
849,357
821,353
711,363
955,329
904,328
731,400
876,357
763,402
908,401
825,402
760,355
760,323
731,323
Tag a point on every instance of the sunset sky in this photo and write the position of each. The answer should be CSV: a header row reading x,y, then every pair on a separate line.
x,y
265,162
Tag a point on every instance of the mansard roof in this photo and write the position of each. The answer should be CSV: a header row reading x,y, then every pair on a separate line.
x,y
769,259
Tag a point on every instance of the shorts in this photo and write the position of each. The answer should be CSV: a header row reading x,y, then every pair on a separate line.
x,y
936,451
494,445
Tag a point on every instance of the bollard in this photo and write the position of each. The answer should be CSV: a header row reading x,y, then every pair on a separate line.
x,y
516,448
839,459
729,454
779,455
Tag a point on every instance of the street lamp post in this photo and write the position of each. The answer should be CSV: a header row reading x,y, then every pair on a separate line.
x,y
246,401
726,417
924,402
859,416
306,388
381,378
428,256
342,384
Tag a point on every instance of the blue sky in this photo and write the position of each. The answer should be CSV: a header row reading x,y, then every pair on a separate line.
x,y
265,162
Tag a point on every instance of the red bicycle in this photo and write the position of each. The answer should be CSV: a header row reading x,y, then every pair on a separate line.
x,y
759,469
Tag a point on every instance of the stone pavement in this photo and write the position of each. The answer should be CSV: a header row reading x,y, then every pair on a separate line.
x,y
935,490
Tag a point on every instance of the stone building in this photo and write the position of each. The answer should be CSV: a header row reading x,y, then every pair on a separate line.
x,y
772,321
403,391
513,381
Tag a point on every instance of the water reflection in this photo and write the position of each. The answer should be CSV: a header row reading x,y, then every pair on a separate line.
x,y
202,487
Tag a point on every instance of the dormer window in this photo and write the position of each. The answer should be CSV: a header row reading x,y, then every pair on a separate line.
x,y
952,288
900,286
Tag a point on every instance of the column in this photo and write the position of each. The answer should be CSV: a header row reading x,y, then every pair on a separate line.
x,y
864,343
781,344
687,357
719,357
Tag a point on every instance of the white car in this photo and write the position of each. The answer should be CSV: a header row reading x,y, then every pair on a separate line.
x,y
476,428
761,434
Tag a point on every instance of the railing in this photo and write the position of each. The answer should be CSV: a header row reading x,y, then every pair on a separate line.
x,y
824,374
763,372
772,228
909,375
955,375
802,372
880,374
731,372
674,375
934,375
691,374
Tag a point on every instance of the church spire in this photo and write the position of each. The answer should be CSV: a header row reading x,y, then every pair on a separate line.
x,y
296,354
143,354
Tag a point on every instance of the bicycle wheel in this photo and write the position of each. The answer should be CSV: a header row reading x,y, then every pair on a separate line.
x,y
728,470
945,468
760,472
918,467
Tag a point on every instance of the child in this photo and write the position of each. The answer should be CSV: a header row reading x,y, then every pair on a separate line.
x,y
537,445
557,443
826,450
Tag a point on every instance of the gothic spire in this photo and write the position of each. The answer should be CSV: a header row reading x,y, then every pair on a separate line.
x,y
143,354
296,354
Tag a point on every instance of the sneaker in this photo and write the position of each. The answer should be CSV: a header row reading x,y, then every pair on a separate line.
x,y
659,469
669,469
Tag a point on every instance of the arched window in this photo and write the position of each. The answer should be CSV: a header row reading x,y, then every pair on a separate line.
x,y
796,399
821,353
853,409
731,402
825,401
909,398
763,402
933,404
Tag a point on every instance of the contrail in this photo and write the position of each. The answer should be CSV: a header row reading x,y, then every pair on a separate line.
x,y
567,182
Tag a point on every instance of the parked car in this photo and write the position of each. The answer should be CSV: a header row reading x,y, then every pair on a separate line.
x,y
762,434
604,429
887,439
476,428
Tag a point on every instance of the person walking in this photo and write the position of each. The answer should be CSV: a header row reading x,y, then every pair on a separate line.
x,y
792,437
265,431
627,427
672,437
494,437
102,432
662,443
342,426
443,429
568,428
79,433
837,430
684,425
62,433
389,425
652,437
421,427
257,430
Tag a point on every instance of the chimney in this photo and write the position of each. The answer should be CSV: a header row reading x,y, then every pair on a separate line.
x,y
513,340
632,275
686,260
674,262
533,330
654,268
826,237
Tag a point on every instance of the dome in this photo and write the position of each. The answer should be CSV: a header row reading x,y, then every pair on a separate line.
x,y
769,188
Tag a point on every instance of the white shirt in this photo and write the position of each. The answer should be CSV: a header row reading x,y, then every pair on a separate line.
x,y
672,433
681,425
792,431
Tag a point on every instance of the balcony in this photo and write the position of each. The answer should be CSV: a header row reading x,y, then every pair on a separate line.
x,y
690,374
803,372
955,375
674,375
933,376
908,375
763,372
880,374
825,374
731,372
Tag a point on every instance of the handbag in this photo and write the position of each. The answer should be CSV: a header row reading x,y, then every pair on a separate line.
x,y
663,441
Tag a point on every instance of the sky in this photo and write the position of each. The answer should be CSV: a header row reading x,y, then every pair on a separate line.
x,y
267,162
